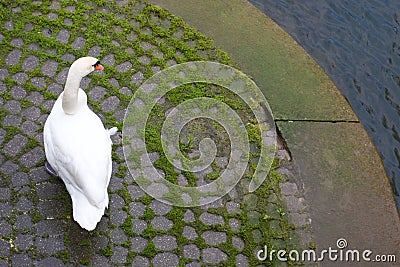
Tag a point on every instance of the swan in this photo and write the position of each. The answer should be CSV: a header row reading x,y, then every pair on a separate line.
x,y
78,147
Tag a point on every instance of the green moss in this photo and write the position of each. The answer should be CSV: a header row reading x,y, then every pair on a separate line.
x,y
35,215
150,251
63,255
146,199
148,214
127,226
124,193
129,258
85,261
122,169
107,251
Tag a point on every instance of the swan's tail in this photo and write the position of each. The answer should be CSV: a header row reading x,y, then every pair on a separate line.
x,y
112,131
86,214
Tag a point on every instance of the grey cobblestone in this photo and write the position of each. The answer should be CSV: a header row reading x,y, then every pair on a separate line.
x,y
9,25
160,208
189,233
23,222
238,243
114,82
50,244
51,208
23,242
189,216
211,219
161,223
63,36
242,261
4,248
137,78
16,145
165,259
138,244
213,255
54,262
117,217
137,209
21,260
124,67
118,236
24,204
3,74
13,57
31,113
30,63
61,77
108,60
116,201
110,104
191,252
138,226
35,97
233,207
193,264
119,255
8,167
214,238
55,88
32,157
94,51
68,57
19,179
52,16
78,43
38,82
50,227
135,192
97,93
18,92
17,42
49,68
234,224
20,77
165,242
30,127
5,228
140,261
5,210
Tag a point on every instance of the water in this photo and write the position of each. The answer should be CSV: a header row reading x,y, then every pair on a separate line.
x,y
357,43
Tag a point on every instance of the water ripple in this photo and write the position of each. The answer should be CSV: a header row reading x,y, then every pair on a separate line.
x,y
357,44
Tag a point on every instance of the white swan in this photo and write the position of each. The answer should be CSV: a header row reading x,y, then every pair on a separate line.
x,y
78,147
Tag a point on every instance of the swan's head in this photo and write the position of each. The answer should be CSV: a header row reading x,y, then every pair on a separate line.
x,y
85,65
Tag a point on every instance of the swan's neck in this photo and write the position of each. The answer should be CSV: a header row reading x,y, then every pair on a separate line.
x,y
70,102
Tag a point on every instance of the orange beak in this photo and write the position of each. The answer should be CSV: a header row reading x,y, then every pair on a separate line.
x,y
99,67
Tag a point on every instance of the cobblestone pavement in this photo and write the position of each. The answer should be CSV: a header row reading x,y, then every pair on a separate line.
x,y
39,40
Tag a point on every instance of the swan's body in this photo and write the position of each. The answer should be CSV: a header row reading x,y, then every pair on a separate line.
x,y
78,147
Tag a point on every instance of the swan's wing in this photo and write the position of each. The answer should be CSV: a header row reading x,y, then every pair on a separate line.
x,y
79,148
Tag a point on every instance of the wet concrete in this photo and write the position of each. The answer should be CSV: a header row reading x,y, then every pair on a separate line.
x,y
344,181
294,85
